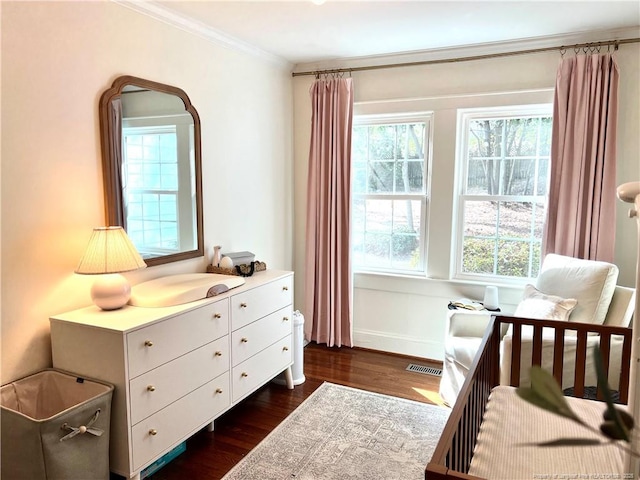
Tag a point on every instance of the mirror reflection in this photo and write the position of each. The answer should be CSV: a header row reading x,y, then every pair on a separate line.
x,y
151,159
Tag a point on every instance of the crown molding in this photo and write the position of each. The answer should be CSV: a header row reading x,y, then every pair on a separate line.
x,y
462,51
195,27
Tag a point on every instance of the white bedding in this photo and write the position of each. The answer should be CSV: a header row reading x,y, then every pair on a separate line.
x,y
511,425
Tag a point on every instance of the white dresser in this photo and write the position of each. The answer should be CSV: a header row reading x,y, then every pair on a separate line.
x,y
175,369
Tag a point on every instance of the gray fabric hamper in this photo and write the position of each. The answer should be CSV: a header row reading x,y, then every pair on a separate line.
x,y
55,426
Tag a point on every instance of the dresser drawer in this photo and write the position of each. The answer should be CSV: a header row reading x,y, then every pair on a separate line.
x,y
161,386
265,365
253,304
161,342
183,417
249,340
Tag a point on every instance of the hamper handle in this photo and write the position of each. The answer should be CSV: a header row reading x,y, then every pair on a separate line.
x,y
82,428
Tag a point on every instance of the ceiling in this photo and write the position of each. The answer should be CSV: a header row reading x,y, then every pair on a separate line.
x,y
302,32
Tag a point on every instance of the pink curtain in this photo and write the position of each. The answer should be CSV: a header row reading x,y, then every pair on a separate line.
x,y
328,276
582,195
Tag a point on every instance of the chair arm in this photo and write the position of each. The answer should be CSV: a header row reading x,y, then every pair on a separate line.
x,y
464,323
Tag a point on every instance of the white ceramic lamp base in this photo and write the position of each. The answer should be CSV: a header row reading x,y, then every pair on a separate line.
x,y
111,291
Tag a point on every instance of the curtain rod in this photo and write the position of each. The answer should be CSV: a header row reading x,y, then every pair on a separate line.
x,y
563,48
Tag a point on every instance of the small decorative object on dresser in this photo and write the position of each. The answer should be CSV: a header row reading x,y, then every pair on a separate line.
x,y
217,256
226,262
177,368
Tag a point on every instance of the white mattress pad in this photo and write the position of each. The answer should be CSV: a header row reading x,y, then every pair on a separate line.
x,y
511,427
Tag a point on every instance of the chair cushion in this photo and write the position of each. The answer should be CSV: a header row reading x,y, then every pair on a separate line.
x,y
536,304
590,282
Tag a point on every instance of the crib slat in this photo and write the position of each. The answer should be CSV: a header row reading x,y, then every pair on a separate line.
x,y
536,358
581,356
516,349
626,368
558,354
605,351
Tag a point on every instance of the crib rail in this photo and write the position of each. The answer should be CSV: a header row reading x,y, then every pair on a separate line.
x,y
452,456
454,452
581,331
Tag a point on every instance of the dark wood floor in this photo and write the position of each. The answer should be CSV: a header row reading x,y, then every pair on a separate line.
x,y
210,455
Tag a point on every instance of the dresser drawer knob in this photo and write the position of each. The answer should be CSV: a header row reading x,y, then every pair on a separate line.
x,y
217,315
218,390
218,354
244,340
151,388
285,349
153,431
244,374
243,305
285,319
148,343
285,288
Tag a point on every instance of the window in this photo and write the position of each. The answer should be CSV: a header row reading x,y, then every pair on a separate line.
x,y
151,180
158,170
504,155
389,193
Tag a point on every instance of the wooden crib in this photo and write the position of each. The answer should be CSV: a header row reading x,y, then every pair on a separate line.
x,y
453,455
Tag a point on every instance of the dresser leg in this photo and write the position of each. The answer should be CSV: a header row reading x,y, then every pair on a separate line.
x,y
210,427
136,476
288,376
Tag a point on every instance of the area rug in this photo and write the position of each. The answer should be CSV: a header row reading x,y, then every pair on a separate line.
x,y
342,433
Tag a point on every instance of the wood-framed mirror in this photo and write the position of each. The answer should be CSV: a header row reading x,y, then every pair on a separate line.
x,y
152,168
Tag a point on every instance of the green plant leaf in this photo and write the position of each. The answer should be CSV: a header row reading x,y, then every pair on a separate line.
x,y
546,394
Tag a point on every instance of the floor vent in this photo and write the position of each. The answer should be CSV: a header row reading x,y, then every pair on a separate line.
x,y
426,370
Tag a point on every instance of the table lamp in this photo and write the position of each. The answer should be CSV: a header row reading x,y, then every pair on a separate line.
x,y
109,252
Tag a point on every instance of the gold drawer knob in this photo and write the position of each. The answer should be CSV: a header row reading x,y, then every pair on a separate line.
x,y
148,343
244,374
218,354
244,340
285,349
243,305
218,390
285,288
153,431
285,319
151,388
217,315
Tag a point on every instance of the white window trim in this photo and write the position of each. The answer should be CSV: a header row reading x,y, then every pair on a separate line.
x,y
464,117
425,117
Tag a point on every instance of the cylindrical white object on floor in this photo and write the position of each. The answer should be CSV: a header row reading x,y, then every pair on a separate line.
x,y
297,369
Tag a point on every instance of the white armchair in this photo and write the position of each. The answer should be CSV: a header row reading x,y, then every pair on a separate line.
x,y
567,289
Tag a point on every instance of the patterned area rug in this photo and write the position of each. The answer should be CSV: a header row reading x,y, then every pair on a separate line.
x,y
342,433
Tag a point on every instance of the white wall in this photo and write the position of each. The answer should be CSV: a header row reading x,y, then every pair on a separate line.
x,y
57,59
407,315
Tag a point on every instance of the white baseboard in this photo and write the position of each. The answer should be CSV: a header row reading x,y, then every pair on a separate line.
x,y
404,345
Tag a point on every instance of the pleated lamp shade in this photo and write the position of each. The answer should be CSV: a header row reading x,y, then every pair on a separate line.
x,y
109,252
